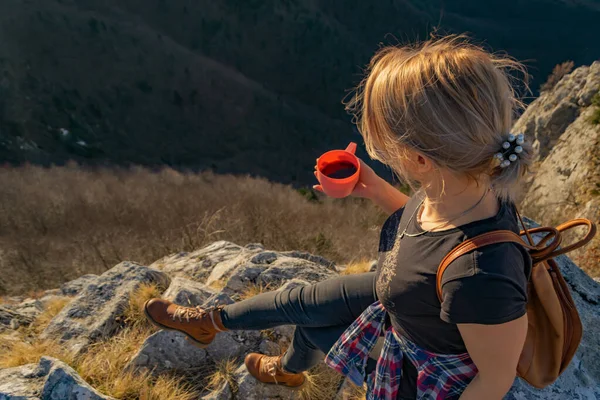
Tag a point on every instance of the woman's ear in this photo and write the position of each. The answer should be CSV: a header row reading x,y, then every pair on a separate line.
x,y
420,164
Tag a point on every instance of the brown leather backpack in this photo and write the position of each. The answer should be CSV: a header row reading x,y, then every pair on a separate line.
x,y
554,330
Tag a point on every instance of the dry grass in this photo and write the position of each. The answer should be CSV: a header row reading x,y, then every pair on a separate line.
x,y
18,352
359,267
24,348
168,388
51,309
323,383
224,373
353,392
253,289
218,284
59,223
134,313
103,367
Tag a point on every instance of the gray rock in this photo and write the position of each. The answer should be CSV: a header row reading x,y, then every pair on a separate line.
x,y
51,379
293,283
188,293
266,257
92,315
218,299
243,276
223,393
249,388
11,319
566,178
73,287
29,307
233,344
269,348
225,269
21,313
20,383
286,331
549,115
167,351
310,257
199,264
286,268
62,382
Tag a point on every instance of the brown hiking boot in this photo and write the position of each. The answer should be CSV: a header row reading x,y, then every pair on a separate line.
x,y
269,370
200,325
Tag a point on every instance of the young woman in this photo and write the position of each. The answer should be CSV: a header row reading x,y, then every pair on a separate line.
x,y
439,114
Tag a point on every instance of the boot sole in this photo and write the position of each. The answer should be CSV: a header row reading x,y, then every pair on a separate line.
x,y
193,340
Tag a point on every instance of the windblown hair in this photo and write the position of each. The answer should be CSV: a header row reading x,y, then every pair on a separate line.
x,y
448,99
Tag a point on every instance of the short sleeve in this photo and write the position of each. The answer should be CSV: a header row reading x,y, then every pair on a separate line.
x,y
487,286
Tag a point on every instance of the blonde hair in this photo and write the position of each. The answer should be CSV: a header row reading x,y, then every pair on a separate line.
x,y
448,99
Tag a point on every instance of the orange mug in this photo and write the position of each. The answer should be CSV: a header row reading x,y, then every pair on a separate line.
x,y
338,171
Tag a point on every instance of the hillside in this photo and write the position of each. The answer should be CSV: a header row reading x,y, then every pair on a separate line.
x,y
234,86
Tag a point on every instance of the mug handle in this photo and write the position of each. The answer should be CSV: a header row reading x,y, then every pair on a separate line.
x,y
351,148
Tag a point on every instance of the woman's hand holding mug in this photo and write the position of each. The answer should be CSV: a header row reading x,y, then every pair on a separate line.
x,y
340,173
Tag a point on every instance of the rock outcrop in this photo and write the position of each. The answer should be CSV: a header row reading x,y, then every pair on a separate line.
x,y
566,179
235,273
92,315
51,379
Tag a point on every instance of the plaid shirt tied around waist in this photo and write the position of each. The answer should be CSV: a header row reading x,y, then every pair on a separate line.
x,y
439,376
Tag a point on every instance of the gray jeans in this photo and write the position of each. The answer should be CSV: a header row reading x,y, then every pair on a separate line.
x,y
321,313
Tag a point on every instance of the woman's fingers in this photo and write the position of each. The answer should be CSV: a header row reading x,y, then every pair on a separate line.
x,y
318,188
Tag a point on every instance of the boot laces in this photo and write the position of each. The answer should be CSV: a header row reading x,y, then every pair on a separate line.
x,y
189,313
270,367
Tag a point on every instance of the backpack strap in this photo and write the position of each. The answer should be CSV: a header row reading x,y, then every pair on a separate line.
x,y
591,232
537,252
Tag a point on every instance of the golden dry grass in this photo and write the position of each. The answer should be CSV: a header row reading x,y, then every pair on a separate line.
x,y
59,223
223,373
253,289
134,313
218,284
51,309
23,347
103,367
323,383
103,364
167,388
18,352
353,392
358,267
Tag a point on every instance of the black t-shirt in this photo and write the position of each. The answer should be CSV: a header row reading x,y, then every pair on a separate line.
x,y
486,286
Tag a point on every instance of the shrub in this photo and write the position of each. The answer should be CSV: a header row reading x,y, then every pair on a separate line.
x,y
557,74
59,223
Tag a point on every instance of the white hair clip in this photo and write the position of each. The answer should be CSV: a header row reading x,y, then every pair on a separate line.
x,y
514,152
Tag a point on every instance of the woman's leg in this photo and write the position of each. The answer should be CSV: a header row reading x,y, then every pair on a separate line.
x,y
335,302
310,345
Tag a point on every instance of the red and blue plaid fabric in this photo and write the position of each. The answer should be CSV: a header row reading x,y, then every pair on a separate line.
x,y
440,376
